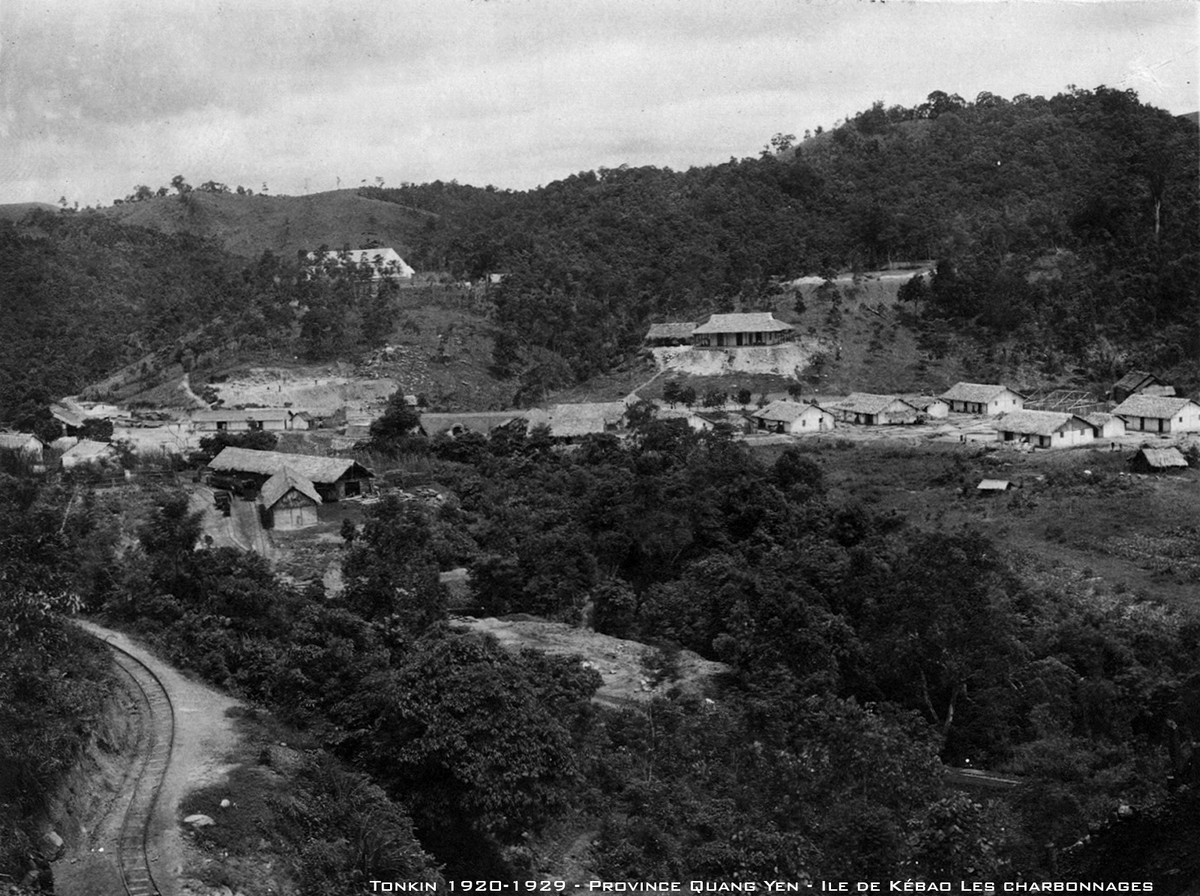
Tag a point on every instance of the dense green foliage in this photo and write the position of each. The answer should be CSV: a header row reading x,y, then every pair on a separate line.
x,y
83,297
52,678
1070,223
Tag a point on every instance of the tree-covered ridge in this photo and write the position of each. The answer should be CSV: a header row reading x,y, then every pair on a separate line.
x,y
1065,220
83,296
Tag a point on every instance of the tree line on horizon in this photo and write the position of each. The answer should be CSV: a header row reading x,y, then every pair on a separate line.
x,y
1070,225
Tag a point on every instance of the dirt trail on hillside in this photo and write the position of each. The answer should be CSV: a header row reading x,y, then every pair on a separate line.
x,y
204,739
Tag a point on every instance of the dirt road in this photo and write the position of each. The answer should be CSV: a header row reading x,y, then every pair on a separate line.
x,y
204,738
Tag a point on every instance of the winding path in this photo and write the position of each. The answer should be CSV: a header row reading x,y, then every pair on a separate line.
x,y
156,737
126,837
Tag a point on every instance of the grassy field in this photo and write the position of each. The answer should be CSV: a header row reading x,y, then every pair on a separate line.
x,y
1076,518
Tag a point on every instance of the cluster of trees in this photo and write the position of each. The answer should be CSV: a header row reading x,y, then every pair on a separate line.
x,y
1058,221
181,187
864,654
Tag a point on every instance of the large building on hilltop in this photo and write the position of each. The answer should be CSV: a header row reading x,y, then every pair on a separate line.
x,y
734,330
381,262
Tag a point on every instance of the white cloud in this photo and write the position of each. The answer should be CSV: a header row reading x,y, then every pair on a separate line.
x,y
97,97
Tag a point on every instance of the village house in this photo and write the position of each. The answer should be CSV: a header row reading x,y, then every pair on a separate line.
x,y
1158,460
1105,426
1152,413
381,262
334,477
930,406
86,453
663,335
290,500
732,330
982,398
793,417
22,446
874,410
1140,382
248,420
1044,429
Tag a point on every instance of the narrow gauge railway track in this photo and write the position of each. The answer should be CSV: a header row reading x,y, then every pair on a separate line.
x,y
156,738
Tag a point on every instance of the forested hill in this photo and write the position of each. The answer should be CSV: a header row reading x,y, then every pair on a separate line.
x,y
1066,227
249,224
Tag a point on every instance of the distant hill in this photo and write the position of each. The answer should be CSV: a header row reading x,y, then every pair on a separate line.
x,y
1193,117
15,211
248,225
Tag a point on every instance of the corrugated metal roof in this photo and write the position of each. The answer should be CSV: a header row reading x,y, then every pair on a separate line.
x,y
677,330
1155,406
282,483
1039,423
1163,458
756,322
323,470
869,403
976,393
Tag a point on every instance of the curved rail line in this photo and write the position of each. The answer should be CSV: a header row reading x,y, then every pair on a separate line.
x,y
156,738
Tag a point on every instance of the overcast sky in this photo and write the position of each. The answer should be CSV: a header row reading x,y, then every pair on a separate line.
x,y
98,96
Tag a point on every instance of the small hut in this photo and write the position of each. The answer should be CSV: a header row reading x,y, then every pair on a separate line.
x,y
290,500
1158,460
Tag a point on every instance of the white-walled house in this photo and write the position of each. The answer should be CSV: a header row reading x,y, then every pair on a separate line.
x,y
988,399
874,410
930,405
1044,429
741,330
794,418
1106,426
248,420
1153,413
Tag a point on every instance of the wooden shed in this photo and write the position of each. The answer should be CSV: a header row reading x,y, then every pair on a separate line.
x,y
291,500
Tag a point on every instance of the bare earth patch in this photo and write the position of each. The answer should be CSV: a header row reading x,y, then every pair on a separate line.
x,y
621,663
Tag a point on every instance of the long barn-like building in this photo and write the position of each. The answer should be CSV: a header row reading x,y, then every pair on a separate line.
x,y
334,477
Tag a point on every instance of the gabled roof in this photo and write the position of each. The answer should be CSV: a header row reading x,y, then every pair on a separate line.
x,y
784,411
1136,379
18,441
976,393
1039,423
283,482
1163,458
567,420
869,403
225,415
1099,419
1155,406
921,402
380,257
678,330
756,322
323,470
